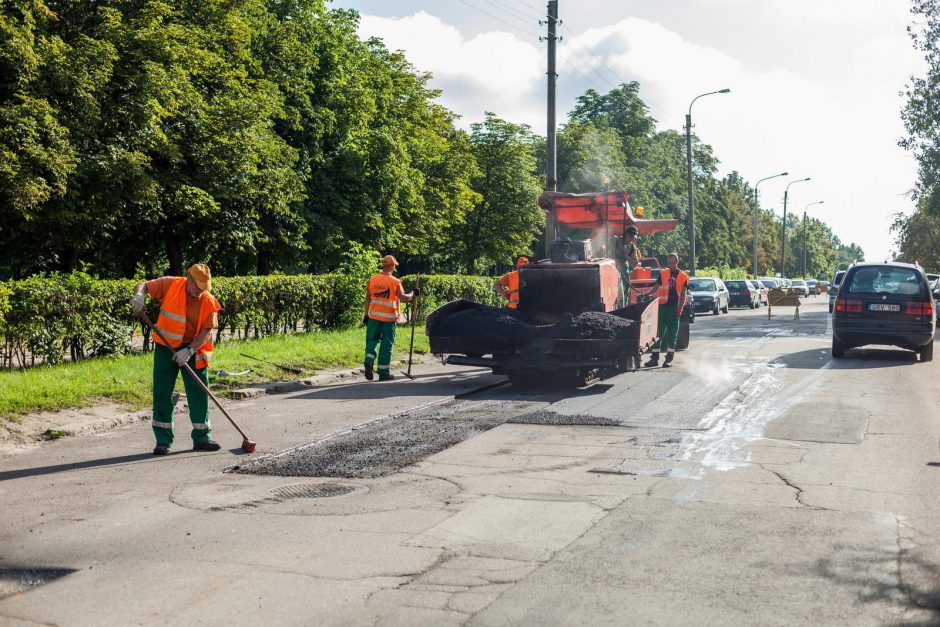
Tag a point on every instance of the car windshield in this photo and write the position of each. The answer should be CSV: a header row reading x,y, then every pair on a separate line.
x,y
885,280
703,285
770,284
737,284
799,283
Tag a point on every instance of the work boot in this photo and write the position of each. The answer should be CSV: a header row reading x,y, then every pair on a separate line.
x,y
668,361
161,449
368,368
211,445
653,361
386,376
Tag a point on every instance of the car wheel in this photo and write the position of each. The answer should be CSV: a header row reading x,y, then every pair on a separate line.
x,y
716,310
926,352
754,306
725,310
838,348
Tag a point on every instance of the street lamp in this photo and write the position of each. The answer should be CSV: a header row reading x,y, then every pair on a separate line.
x,y
803,265
688,160
783,231
757,213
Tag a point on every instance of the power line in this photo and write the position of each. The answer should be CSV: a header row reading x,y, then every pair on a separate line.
x,y
499,19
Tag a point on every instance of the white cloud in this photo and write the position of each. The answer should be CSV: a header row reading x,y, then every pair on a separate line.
x,y
841,128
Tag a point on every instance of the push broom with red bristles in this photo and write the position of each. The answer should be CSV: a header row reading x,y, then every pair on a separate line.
x,y
247,445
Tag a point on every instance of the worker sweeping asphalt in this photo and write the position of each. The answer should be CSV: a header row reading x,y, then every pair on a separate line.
x,y
383,296
507,286
673,285
186,324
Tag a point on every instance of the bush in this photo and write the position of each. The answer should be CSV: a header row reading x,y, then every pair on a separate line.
x,y
43,319
722,272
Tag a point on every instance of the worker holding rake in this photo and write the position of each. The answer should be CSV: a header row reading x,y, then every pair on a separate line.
x,y
383,295
186,326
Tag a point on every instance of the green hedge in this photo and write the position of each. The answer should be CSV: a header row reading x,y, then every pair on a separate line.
x,y
43,319
722,272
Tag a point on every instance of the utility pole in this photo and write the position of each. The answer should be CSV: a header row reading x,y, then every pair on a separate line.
x,y
757,214
688,162
551,159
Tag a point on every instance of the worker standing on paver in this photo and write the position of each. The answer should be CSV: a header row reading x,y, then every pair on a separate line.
x,y
507,286
631,252
673,288
383,295
188,319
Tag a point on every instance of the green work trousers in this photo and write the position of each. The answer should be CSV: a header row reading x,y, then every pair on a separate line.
x,y
668,329
381,334
165,373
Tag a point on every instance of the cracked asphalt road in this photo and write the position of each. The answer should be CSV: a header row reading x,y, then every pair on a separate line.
x,y
757,482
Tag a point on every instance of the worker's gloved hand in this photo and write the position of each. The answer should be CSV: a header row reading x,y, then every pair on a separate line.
x,y
365,319
137,303
416,291
181,357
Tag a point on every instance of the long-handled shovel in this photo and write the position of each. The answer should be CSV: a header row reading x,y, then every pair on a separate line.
x,y
247,445
414,319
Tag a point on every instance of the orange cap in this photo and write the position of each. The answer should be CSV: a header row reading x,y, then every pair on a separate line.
x,y
202,276
389,262
521,261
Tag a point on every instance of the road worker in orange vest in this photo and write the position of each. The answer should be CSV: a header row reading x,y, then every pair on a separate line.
x,y
673,287
507,286
383,295
188,319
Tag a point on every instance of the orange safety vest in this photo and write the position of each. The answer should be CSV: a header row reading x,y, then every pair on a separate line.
x,y
383,297
511,281
682,279
172,319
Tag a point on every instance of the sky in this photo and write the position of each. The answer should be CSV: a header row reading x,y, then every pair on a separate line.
x,y
815,84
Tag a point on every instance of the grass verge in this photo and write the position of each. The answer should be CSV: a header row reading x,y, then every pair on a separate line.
x,y
127,380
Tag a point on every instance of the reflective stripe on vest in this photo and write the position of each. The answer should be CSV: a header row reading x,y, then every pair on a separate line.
x,y
172,319
383,297
681,280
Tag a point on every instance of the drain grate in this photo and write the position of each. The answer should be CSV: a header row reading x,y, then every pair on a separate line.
x,y
312,490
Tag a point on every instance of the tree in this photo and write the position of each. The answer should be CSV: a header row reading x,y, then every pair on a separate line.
x,y
921,115
506,219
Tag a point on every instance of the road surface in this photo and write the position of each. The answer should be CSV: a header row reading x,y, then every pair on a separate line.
x,y
756,482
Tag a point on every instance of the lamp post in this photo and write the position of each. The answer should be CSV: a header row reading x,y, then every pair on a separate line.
x,y
783,231
803,265
688,160
757,214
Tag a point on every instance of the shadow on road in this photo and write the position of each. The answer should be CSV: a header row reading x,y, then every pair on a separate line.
x,y
8,475
855,359
854,567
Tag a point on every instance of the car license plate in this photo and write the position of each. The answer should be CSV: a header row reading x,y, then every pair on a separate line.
x,y
883,307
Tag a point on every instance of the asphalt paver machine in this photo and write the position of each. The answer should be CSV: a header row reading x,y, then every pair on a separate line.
x,y
578,319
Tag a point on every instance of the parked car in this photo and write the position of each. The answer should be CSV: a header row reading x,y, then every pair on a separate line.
x,y
834,288
800,287
709,294
885,304
785,283
762,292
742,294
813,284
769,282
935,289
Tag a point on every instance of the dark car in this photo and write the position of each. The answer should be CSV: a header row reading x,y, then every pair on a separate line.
x,y
742,294
834,288
709,294
884,303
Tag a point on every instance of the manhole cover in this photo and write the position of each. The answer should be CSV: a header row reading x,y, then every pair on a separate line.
x,y
311,490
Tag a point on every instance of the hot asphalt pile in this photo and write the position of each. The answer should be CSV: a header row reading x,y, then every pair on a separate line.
x,y
545,417
501,324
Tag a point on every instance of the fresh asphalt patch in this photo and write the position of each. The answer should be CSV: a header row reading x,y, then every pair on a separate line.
x,y
383,447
